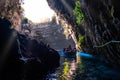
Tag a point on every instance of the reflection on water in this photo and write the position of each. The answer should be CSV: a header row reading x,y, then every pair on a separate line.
x,y
61,53
87,67
82,54
51,76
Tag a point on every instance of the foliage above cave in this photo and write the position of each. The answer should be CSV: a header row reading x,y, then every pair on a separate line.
x,y
78,12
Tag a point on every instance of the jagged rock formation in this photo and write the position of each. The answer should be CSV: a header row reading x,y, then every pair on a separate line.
x,y
23,58
101,26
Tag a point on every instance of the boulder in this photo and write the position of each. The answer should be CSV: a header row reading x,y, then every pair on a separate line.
x,y
38,60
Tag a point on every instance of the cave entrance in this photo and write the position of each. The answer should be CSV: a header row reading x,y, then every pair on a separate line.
x,y
42,23
37,10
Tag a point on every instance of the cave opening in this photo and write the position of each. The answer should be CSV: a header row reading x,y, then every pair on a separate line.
x,y
37,10
46,27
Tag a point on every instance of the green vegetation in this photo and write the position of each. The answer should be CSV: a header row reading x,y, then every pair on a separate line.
x,y
65,70
80,39
78,12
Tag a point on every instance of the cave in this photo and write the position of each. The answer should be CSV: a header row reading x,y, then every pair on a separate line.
x,y
38,50
100,26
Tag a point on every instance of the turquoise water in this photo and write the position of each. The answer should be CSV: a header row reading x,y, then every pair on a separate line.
x,y
94,68
61,53
82,54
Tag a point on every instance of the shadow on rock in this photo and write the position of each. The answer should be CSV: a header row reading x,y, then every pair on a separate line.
x,y
38,58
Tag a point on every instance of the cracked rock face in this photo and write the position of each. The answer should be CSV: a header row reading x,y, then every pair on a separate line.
x,y
101,25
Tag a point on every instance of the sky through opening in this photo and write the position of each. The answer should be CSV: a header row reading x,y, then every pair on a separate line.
x,y
37,10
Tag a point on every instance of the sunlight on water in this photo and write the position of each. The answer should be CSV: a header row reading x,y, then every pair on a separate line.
x,y
82,54
61,53
37,10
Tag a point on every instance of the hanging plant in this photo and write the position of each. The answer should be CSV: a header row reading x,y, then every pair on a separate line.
x,y
78,12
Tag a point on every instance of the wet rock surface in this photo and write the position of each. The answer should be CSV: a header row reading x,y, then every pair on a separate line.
x,y
101,25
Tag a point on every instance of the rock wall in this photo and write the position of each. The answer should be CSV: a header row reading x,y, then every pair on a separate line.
x,y
101,26
22,57
63,8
